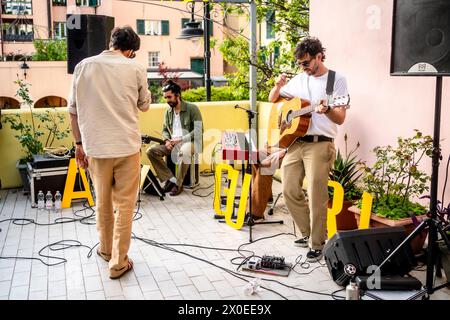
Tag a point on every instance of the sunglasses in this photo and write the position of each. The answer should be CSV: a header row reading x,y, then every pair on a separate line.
x,y
305,63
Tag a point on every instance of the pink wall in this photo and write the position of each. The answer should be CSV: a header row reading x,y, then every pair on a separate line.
x,y
47,78
357,35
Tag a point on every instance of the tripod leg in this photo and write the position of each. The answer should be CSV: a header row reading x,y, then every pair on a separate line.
x,y
413,234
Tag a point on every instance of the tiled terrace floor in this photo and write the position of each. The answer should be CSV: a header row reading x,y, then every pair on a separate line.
x,y
158,273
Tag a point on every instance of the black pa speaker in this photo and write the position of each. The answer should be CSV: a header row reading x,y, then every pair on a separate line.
x,y
351,253
421,38
87,35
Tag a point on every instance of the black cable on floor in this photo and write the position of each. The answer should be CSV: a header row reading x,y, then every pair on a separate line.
x,y
56,246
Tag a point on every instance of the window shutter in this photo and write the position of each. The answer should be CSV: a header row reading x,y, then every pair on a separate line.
x,y
93,3
140,26
276,53
183,22
165,27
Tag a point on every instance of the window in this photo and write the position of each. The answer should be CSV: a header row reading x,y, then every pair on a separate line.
x,y
59,2
153,27
88,3
59,29
270,21
82,3
17,32
18,7
153,59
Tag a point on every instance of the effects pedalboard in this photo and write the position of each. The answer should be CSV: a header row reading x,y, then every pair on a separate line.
x,y
266,262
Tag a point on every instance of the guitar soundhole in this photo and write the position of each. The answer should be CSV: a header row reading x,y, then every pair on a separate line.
x,y
289,117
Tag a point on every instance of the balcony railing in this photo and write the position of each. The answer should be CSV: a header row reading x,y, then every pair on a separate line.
x,y
18,37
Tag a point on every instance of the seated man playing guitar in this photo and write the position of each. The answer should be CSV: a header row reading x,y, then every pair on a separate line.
x,y
308,133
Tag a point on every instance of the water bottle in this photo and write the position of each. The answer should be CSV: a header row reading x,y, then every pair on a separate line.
x,y
40,200
48,201
352,291
58,201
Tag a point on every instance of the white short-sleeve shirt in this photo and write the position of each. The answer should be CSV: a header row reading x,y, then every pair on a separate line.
x,y
313,89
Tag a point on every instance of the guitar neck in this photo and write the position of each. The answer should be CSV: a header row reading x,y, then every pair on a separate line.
x,y
303,111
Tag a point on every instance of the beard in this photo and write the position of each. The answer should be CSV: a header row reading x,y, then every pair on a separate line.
x,y
172,104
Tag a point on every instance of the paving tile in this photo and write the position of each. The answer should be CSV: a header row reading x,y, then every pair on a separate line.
x,y
168,288
202,283
147,283
133,293
190,292
56,289
18,293
95,295
180,278
153,295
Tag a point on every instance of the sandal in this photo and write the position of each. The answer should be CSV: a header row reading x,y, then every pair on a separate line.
x,y
127,268
104,256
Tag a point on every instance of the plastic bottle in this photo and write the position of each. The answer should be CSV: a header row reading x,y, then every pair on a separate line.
x,y
48,201
58,201
352,291
40,200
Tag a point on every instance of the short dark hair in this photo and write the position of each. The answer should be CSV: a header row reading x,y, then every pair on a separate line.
x,y
170,85
311,46
124,38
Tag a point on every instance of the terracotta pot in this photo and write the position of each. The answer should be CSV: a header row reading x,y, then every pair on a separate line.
x,y
379,222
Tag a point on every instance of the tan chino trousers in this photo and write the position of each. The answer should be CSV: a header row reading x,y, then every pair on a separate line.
x,y
313,160
116,183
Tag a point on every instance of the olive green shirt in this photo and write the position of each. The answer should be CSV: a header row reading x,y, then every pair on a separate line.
x,y
191,123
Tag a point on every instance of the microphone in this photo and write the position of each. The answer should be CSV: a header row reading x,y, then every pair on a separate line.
x,y
248,110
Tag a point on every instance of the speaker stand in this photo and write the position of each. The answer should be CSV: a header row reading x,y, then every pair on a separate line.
x,y
432,223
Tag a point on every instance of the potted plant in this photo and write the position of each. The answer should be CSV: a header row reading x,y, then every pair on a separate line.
x,y
347,171
396,181
31,133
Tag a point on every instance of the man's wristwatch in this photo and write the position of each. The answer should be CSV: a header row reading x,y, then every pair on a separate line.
x,y
328,110
78,143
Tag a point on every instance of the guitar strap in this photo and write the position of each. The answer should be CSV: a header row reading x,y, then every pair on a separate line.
x,y
330,85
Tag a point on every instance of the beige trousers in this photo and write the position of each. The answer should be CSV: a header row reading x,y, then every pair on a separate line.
x,y
313,160
181,155
116,183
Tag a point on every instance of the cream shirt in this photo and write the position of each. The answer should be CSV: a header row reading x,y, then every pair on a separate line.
x,y
107,92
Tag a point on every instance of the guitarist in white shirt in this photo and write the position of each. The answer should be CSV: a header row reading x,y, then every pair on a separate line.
x,y
313,154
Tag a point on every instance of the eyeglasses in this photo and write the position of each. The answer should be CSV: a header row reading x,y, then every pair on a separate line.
x,y
305,64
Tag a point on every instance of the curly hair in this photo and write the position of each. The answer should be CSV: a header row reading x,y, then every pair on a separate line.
x,y
311,46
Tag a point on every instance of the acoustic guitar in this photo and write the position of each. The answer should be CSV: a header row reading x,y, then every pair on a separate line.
x,y
291,119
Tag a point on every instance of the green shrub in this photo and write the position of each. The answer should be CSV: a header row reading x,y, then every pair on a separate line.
x,y
217,94
50,50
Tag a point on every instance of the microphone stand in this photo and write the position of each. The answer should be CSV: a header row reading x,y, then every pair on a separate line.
x,y
250,222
